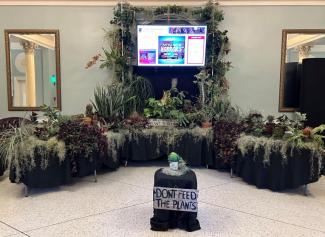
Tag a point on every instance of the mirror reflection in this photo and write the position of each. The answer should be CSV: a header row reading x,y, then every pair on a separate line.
x,y
33,70
297,47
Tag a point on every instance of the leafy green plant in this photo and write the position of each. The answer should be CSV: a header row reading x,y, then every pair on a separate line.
x,y
203,83
141,89
113,102
50,126
174,157
169,107
299,137
254,123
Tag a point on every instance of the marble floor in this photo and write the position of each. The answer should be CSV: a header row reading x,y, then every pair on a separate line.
x,y
119,204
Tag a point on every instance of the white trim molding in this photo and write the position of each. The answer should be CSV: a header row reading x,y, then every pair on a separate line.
x,y
161,2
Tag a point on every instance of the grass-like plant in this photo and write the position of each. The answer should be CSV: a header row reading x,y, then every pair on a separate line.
x,y
113,102
19,148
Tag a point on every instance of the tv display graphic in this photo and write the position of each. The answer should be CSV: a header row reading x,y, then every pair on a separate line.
x,y
147,56
171,50
171,45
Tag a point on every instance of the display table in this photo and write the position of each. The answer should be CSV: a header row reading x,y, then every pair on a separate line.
x,y
168,219
196,145
298,170
2,166
54,175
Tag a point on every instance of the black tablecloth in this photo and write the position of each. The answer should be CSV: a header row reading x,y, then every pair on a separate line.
x,y
297,171
55,174
2,166
197,150
165,219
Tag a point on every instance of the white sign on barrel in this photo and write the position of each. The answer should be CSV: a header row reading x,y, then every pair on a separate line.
x,y
175,199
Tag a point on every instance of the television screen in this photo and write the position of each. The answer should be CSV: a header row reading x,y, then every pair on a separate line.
x,y
171,45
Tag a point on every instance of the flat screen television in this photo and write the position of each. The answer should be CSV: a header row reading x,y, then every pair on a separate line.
x,y
171,45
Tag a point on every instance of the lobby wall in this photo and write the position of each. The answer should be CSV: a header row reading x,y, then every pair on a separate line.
x,y
254,31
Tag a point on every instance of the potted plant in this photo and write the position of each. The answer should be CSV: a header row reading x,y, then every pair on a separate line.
x,y
207,115
88,119
35,159
168,110
85,146
202,82
173,160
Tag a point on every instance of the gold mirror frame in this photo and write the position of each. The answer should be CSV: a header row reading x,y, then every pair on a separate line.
x,y
285,32
57,61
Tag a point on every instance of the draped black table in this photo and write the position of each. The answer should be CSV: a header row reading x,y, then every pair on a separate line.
x,y
2,166
299,169
195,145
167,219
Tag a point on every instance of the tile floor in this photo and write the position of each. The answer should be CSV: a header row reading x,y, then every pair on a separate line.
x,y
119,204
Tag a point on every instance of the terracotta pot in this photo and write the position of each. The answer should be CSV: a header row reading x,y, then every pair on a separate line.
x,y
87,120
206,124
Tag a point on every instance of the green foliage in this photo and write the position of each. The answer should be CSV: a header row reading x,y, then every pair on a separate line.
x,y
123,15
19,148
170,107
50,127
113,102
301,138
50,112
114,60
142,90
174,157
211,81
10,140
171,9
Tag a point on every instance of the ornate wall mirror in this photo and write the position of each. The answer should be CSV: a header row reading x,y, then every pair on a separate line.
x,y
297,45
33,69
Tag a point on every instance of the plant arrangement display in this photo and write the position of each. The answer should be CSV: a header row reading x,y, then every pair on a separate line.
x,y
83,141
130,93
23,147
136,121
43,147
226,134
283,136
169,107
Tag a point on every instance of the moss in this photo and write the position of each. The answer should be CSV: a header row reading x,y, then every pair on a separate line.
x,y
23,156
247,143
171,136
116,141
163,136
182,169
